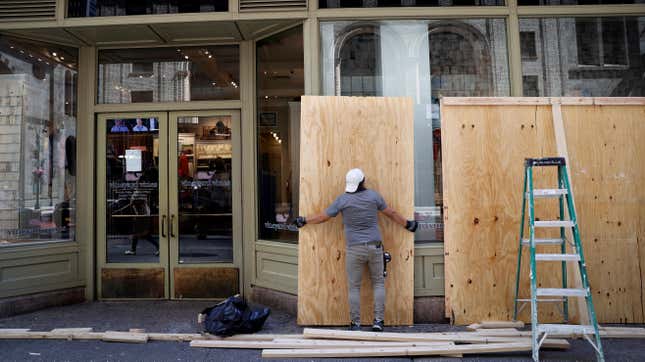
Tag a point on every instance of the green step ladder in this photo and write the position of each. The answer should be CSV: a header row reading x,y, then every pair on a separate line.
x,y
540,331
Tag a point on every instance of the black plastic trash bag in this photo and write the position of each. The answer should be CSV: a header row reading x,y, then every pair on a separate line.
x,y
233,316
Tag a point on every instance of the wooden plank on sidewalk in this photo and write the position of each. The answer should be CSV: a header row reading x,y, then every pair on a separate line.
x,y
310,344
398,351
125,337
457,337
13,330
70,330
496,324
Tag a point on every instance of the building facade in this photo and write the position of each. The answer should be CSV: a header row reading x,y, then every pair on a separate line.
x,y
151,149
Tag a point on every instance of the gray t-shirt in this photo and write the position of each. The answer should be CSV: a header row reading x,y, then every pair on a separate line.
x,y
359,211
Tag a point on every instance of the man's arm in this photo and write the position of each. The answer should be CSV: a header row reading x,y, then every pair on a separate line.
x,y
301,221
318,219
395,216
411,225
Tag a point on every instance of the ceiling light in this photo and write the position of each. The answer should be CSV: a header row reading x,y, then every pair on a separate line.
x,y
178,50
61,58
186,57
210,56
54,54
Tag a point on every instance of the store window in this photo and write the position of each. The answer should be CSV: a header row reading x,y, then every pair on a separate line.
x,y
90,8
169,74
577,2
425,60
37,142
280,83
527,45
590,57
404,3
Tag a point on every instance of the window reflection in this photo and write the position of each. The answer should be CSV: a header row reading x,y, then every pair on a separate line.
x,y
37,142
205,155
590,57
425,60
169,74
90,8
404,3
280,83
132,190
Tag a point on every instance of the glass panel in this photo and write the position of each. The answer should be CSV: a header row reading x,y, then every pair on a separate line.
x,y
577,2
405,3
589,57
89,8
425,60
37,142
169,74
205,153
280,83
132,191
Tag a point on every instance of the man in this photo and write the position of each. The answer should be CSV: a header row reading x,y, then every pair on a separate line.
x,y
119,127
140,127
359,207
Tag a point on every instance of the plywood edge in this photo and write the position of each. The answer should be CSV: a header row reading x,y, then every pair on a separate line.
x,y
494,101
515,101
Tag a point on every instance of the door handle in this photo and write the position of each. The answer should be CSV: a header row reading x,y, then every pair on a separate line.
x,y
163,226
172,225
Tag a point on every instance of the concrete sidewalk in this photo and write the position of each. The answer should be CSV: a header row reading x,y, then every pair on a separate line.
x,y
181,316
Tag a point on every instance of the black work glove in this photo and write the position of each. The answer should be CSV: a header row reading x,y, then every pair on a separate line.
x,y
411,225
300,221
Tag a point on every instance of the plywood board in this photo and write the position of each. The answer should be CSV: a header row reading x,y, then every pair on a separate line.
x,y
338,134
483,199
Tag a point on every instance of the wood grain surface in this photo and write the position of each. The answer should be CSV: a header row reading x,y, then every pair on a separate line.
x,y
338,134
484,148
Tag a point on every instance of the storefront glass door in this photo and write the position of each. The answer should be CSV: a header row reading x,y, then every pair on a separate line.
x,y
168,205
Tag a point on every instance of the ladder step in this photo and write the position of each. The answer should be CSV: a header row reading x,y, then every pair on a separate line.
x,y
565,329
557,257
557,241
554,224
561,292
549,192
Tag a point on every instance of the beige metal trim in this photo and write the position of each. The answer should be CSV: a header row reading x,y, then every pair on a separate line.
x,y
38,248
514,50
170,106
85,165
173,184
61,10
456,12
249,192
183,18
311,38
234,7
101,133
170,44
581,10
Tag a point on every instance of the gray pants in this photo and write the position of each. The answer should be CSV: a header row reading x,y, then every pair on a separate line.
x,y
357,256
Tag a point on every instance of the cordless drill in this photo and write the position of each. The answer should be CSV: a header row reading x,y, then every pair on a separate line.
x,y
386,259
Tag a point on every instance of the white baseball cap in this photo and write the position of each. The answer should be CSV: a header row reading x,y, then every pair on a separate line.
x,y
353,178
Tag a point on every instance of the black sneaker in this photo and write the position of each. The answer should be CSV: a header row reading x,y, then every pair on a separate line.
x,y
377,326
353,326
